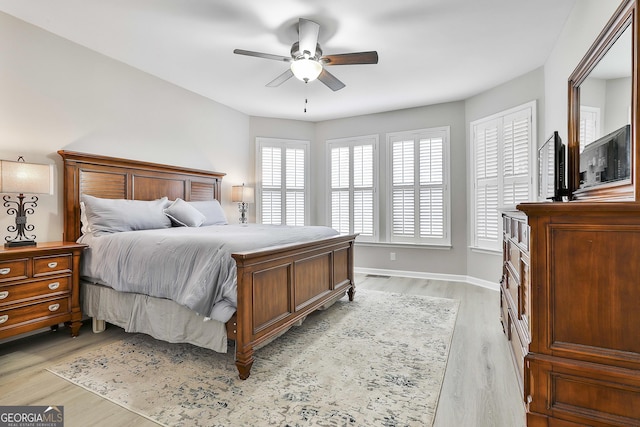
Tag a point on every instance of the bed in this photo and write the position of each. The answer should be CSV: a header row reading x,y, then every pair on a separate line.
x,y
277,286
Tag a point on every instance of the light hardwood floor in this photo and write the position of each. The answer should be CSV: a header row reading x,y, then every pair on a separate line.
x,y
480,387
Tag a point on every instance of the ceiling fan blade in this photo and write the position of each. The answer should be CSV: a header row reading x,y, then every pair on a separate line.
x,y
330,80
262,55
351,58
308,36
281,78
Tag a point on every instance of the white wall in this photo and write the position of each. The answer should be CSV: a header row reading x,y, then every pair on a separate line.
x,y
284,129
529,87
587,19
59,95
408,258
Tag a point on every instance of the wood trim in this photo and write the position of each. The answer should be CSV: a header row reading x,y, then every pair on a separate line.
x,y
628,190
112,177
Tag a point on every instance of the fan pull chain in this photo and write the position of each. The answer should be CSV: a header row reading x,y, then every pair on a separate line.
x,y
305,105
306,91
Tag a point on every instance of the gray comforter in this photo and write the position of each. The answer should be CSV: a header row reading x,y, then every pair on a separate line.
x,y
191,266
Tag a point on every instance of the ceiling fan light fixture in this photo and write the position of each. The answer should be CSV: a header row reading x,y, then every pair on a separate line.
x,y
306,69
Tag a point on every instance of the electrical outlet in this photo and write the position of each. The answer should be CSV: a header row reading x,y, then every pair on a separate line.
x,y
392,256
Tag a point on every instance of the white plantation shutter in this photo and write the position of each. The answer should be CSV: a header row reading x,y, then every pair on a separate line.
x,y
431,190
282,191
271,197
403,212
486,171
502,147
271,207
295,179
352,204
589,125
363,190
419,177
340,211
515,158
271,167
403,195
340,189
487,214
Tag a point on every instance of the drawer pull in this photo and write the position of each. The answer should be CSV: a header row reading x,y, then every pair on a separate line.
x,y
4,318
4,294
54,307
5,270
54,285
52,264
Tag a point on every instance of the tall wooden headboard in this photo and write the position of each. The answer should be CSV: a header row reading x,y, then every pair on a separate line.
x,y
115,178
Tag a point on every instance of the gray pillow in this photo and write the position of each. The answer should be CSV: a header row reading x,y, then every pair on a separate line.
x,y
185,215
116,215
211,209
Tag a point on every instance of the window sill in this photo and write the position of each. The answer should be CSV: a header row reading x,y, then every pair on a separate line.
x,y
485,250
445,247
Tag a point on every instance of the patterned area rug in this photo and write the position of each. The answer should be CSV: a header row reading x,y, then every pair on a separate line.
x,y
376,361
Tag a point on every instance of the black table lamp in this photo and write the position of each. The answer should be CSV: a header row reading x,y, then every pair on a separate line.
x,y
21,177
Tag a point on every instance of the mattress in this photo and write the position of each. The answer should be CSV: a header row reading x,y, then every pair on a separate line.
x,y
191,266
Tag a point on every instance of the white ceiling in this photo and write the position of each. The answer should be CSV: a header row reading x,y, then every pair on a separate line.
x,y
430,51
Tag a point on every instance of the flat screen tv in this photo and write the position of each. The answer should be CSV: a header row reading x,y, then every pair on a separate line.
x,y
607,159
551,169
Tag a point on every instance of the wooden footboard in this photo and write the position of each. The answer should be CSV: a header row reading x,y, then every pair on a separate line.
x,y
278,286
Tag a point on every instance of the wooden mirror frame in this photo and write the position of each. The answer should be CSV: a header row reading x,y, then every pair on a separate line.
x,y
627,190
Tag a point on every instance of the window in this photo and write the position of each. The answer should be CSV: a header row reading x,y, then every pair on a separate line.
x,y
419,182
502,160
352,184
589,125
282,190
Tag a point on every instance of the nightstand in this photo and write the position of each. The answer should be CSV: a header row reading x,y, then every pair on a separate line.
x,y
39,287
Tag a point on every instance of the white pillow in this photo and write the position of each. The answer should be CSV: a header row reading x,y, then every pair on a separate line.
x,y
116,215
211,209
84,222
185,215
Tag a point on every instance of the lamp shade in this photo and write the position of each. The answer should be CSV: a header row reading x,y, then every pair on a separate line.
x,y
306,69
240,193
22,177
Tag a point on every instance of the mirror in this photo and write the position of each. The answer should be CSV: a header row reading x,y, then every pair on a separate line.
x,y
601,108
605,95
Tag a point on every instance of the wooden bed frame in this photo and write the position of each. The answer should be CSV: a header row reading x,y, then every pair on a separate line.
x,y
277,286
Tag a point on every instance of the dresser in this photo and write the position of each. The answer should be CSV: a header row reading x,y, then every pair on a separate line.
x,y
39,287
515,289
570,298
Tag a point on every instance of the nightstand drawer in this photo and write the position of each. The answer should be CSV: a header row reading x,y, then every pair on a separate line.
x,y
51,264
14,293
33,312
14,269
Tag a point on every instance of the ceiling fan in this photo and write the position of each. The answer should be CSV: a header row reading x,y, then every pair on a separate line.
x,y
307,61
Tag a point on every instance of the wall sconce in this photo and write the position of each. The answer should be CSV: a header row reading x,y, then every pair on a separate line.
x,y
21,177
243,195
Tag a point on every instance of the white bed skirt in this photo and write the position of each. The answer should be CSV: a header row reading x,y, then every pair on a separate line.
x,y
161,318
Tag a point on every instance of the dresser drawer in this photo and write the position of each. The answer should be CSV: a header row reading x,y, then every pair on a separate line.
x,y
513,289
504,312
33,312
517,348
14,269
25,291
513,258
52,264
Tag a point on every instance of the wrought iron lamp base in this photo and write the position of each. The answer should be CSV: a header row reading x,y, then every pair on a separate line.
x,y
20,210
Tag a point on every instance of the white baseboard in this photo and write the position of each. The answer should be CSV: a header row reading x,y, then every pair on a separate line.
x,y
432,276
